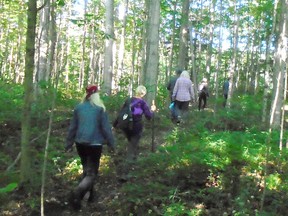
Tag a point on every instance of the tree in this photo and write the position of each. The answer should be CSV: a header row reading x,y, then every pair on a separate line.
x,y
152,54
280,64
108,58
26,158
183,47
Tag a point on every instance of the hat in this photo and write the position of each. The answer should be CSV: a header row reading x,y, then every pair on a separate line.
x,y
91,89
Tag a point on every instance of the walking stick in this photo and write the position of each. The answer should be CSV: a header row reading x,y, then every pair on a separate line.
x,y
153,133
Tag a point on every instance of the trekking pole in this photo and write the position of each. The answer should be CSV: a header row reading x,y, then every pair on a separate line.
x,y
153,131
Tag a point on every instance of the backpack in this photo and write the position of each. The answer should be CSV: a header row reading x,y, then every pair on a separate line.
x,y
124,118
203,90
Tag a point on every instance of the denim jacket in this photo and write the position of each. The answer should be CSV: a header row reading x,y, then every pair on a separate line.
x,y
89,125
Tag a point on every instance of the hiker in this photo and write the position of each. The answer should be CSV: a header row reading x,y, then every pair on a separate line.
x,y
89,129
203,93
183,94
172,82
139,108
226,90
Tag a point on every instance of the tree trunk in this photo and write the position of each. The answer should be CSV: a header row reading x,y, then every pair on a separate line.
x,y
183,46
152,56
267,66
122,44
234,57
211,30
108,58
279,67
43,43
26,158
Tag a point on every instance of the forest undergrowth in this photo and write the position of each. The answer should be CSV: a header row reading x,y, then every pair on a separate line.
x,y
216,162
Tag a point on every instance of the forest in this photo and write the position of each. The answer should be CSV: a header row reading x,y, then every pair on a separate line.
x,y
222,160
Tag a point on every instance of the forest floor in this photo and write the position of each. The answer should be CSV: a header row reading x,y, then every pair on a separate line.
x,y
107,187
192,182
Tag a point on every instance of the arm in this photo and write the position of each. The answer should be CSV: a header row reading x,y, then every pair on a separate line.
x,y
175,90
126,103
106,129
148,114
72,131
191,91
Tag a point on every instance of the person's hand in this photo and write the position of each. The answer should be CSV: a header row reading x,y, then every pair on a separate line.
x,y
69,148
153,107
111,150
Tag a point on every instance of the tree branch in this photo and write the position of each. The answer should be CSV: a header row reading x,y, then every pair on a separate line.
x,y
44,4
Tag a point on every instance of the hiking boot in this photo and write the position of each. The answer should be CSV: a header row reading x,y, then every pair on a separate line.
x,y
91,197
75,201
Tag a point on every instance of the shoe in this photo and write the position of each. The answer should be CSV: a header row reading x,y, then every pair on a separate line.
x,y
75,202
123,178
91,197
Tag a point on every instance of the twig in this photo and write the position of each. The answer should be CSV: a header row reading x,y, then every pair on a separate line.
x,y
15,162
19,154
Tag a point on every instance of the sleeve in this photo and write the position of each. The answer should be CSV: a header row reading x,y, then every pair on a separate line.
x,y
175,90
126,103
72,130
147,113
169,86
191,90
106,129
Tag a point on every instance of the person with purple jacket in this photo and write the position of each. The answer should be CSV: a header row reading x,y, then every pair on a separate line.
x,y
139,107
183,94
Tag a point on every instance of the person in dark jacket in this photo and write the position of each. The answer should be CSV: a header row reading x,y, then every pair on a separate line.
x,y
89,129
226,85
172,82
203,93
139,108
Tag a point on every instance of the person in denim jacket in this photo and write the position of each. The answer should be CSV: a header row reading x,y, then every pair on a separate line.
x,y
89,129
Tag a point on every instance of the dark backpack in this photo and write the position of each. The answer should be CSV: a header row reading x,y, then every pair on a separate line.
x,y
124,118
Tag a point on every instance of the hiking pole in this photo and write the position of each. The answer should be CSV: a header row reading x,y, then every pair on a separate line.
x,y
152,128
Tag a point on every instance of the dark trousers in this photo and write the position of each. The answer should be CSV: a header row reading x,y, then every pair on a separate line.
x,y
90,160
181,107
225,99
202,98
133,145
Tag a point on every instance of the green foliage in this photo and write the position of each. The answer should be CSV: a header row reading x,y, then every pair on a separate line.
x,y
11,101
10,187
204,166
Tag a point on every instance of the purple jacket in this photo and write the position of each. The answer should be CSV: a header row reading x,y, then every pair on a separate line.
x,y
139,108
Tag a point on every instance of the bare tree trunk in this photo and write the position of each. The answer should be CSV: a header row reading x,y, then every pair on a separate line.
x,y
108,58
267,64
122,44
279,67
83,58
152,57
192,48
43,44
219,57
26,158
211,30
234,58
183,46
278,87
171,53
